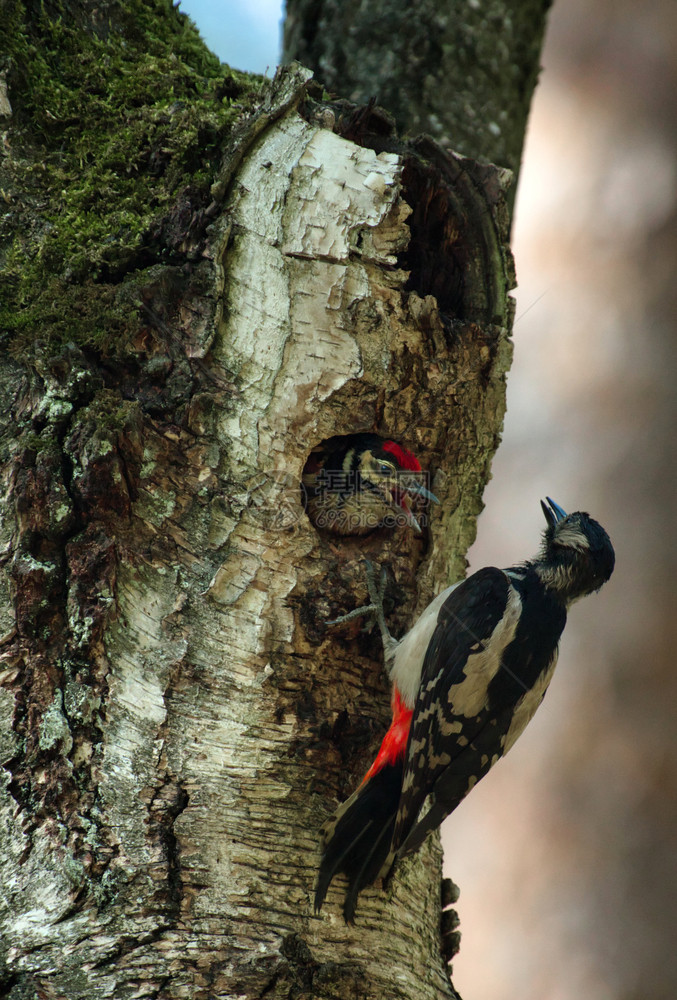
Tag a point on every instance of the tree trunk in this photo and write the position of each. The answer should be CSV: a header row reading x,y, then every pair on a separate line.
x,y
204,281
462,72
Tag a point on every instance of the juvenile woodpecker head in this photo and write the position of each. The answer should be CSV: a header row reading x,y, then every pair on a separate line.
x,y
362,481
577,556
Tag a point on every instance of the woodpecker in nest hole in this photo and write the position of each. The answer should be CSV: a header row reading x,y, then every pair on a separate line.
x,y
360,482
467,678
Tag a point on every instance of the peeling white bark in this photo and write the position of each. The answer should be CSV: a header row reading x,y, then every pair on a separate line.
x,y
302,212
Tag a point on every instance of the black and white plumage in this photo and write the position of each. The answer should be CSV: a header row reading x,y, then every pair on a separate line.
x,y
467,678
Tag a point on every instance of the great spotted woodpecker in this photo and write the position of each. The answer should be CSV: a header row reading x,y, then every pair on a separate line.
x,y
356,483
467,678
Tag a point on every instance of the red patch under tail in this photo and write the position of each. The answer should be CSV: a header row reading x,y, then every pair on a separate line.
x,y
395,740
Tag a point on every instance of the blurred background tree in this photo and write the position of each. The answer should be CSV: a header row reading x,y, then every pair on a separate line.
x,y
567,856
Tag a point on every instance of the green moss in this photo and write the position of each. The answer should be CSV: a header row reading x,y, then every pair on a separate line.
x,y
116,140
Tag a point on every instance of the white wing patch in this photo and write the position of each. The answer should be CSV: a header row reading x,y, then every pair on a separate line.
x,y
469,696
420,753
405,672
528,703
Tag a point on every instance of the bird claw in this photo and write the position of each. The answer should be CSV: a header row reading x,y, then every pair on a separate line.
x,y
377,591
355,613
376,595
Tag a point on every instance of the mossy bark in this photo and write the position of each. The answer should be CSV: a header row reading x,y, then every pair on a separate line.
x,y
178,720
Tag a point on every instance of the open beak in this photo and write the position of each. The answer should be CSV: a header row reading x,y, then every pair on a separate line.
x,y
411,519
407,489
413,489
553,512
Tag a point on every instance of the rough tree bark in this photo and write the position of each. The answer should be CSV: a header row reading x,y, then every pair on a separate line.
x,y
205,279
462,72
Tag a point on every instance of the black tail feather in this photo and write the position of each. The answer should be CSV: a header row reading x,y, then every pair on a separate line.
x,y
431,821
373,862
359,839
332,861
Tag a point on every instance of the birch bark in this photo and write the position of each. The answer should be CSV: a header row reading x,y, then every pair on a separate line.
x,y
177,718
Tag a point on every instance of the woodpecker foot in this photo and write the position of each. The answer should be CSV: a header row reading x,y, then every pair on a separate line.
x,y
376,595
377,589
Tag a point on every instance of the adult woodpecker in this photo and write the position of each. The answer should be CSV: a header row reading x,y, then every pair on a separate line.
x,y
467,678
359,482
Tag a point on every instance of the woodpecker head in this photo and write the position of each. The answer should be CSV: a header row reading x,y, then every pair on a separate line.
x,y
358,482
577,556
388,469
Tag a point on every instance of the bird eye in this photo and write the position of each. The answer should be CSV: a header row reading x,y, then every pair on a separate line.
x,y
386,467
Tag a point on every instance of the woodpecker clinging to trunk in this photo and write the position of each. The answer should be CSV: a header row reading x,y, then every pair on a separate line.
x,y
466,680
360,482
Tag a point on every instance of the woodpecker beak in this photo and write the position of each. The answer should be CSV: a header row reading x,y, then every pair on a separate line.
x,y
553,512
410,489
420,491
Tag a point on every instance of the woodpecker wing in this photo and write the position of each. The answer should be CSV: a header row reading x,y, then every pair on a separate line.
x,y
457,668
485,672
452,782
474,703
